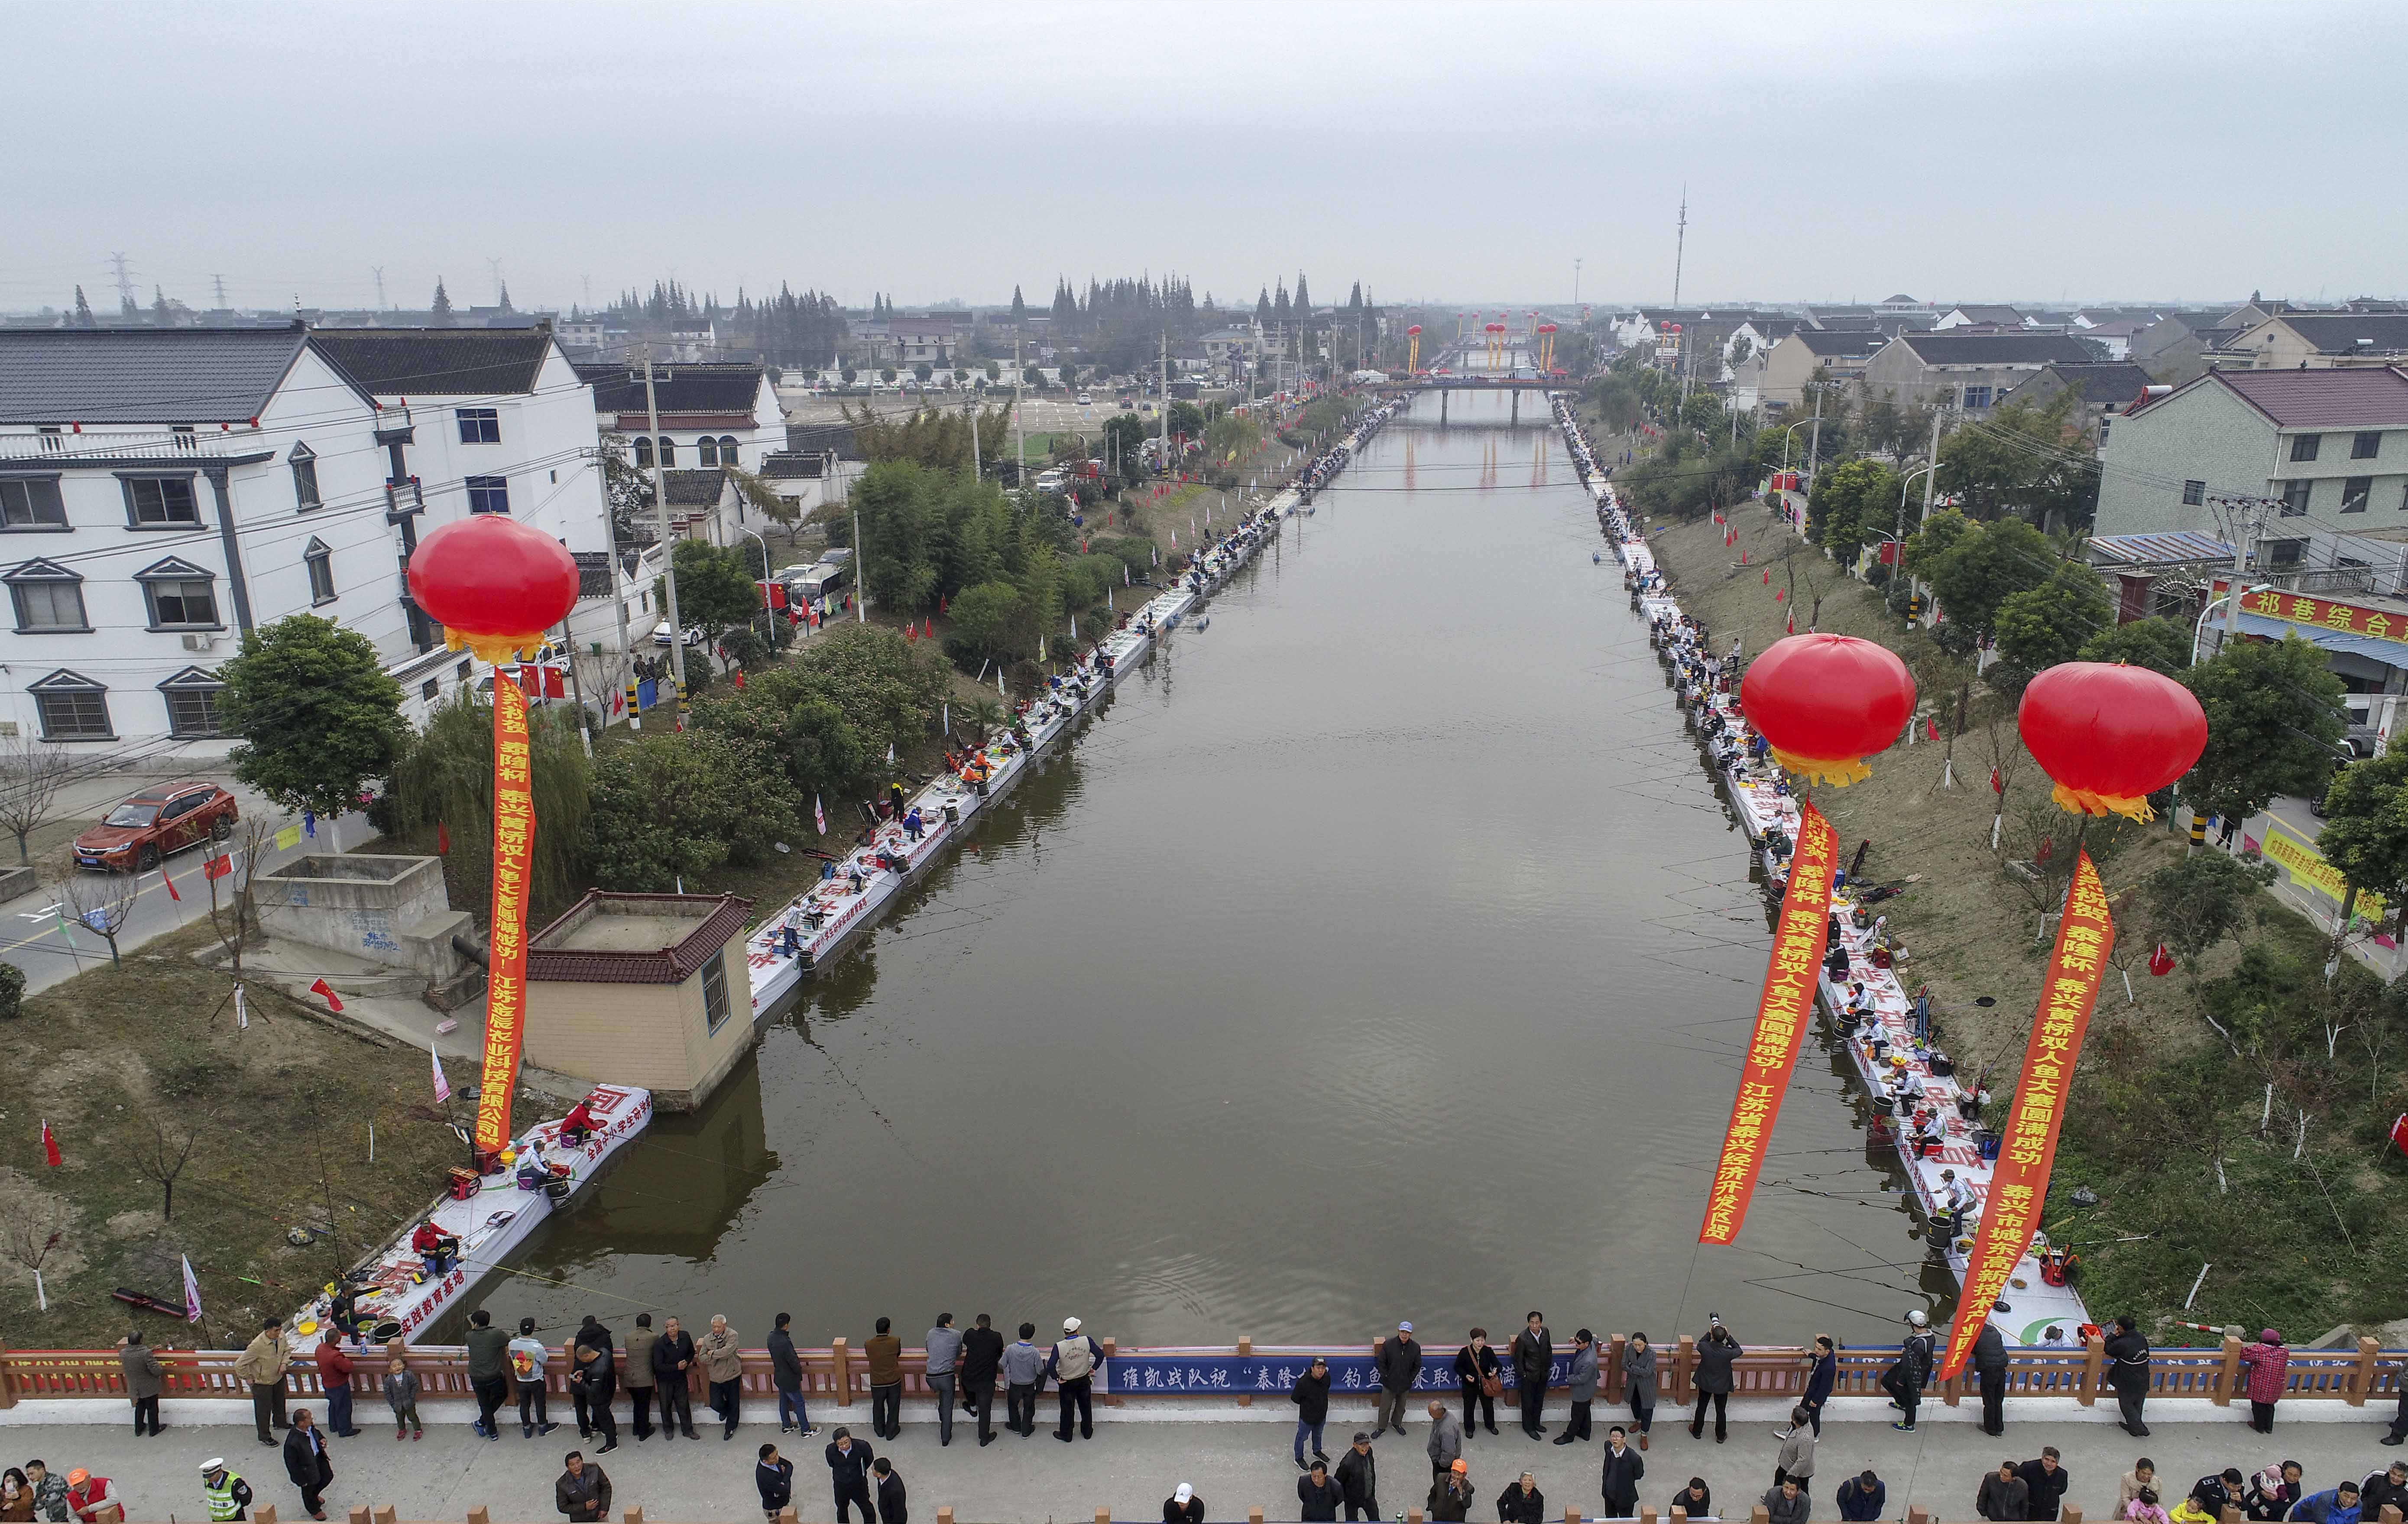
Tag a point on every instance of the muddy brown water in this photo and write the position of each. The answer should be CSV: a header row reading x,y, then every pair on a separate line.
x,y
1382,951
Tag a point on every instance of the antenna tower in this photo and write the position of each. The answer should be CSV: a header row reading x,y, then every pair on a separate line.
x,y
1680,244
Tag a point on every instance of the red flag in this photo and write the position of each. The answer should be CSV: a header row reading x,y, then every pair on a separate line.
x,y
50,1147
321,987
1768,575
442,840
1998,785
2162,960
171,888
1791,628
1779,595
910,631
1930,729
941,603
216,868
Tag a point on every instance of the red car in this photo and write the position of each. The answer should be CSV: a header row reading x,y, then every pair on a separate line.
x,y
155,823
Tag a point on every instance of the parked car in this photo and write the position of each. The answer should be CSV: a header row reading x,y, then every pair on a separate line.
x,y
695,634
1086,399
158,820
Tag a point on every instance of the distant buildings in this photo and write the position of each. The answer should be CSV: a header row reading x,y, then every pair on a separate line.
x,y
1969,371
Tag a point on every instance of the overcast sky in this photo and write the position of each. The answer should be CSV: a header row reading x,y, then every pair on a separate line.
x,y
1463,153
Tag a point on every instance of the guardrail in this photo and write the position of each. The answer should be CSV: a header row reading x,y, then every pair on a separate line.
x,y
363,1514
839,1372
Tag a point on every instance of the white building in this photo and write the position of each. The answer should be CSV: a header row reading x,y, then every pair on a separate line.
x,y
718,414
176,488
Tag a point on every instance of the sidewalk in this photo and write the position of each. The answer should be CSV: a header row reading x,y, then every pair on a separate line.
x,y
1131,1466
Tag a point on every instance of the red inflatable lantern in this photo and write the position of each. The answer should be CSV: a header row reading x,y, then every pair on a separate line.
x,y
494,585
1825,702
2110,734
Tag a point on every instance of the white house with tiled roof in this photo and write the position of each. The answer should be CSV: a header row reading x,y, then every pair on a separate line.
x,y
719,413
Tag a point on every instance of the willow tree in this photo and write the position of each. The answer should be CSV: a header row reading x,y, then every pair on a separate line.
x,y
446,780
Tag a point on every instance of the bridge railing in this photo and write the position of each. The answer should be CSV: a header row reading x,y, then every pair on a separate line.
x,y
1758,1514
839,1373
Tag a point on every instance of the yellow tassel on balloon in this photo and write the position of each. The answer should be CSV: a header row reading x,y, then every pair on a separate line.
x,y
1838,771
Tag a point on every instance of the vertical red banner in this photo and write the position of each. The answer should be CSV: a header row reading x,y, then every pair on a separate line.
x,y
1781,1017
506,959
2027,1149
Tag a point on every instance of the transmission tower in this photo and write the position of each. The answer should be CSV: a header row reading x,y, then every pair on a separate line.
x,y
1680,244
494,263
124,282
218,281
379,281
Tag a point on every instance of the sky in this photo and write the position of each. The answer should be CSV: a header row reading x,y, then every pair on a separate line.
x,y
1456,154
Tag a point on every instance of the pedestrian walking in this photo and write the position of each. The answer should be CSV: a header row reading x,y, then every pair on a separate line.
x,y
307,1463
1861,1498
1445,1443
786,1374
50,1492
529,1358
723,1365
2045,1480
884,1352
1907,1375
489,1370
773,1474
1182,1507
2128,1372
1024,1372
1477,1373
1822,1376
1310,1395
1621,1475
635,1373
1534,1359
2002,1494
261,1366
226,1493
673,1357
591,1386
582,1491
1399,1363
2269,1364
1358,1480
1581,1378
145,1379
401,1395
849,1462
981,1357
1716,1353
1522,1502
1072,1365
1639,1382
1317,1498
893,1508
1990,1367
1786,1504
1450,1494
943,1347
1795,1462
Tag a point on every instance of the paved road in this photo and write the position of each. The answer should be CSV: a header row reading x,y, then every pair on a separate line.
x,y
1131,1466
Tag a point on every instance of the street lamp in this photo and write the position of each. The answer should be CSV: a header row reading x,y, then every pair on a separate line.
x,y
772,635
2199,625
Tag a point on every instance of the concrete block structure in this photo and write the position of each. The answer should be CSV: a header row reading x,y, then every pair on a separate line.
x,y
646,989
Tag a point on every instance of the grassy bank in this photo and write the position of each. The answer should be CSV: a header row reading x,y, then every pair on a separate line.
x,y
2161,1101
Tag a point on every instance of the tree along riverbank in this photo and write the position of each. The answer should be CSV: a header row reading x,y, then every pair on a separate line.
x,y
2231,1115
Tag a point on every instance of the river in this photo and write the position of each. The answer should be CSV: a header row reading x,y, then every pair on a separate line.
x,y
1380,952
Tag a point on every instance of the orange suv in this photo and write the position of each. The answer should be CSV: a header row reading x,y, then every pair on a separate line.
x,y
155,823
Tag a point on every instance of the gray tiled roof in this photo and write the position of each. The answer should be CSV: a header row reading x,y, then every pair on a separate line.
x,y
433,362
2370,396
694,488
1989,314
1953,349
2104,384
142,375
619,387
1827,342
2340,332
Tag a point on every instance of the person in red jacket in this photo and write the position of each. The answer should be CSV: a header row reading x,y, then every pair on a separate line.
x,y
2269,1364
334,1377
94,1499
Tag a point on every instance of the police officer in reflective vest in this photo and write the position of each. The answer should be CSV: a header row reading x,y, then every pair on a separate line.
x,y
229,1495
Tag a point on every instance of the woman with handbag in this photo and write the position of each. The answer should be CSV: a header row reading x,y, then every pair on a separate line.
x,y
1477,1371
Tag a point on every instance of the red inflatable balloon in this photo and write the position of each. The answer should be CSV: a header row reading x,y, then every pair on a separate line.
x,y
1825,702
494,583
2110,734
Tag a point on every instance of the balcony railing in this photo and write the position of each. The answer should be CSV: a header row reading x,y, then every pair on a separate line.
x,y
65,449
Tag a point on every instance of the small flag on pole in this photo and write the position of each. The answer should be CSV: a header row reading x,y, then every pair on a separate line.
x,y
442,1085
819,814
192,1292
949,713
216,868
442,839
1931,729
170,884
242,1011
1791,628
1997,785
890,754
326,991
49,1147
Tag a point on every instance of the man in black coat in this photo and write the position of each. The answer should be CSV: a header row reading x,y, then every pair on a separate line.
x,y
1317,1497
891,1508
306,1463
1991,1365
774,1475
2128,1372
1534,1356
786,1374
849,1462
1358,1480
981,1357
1398,1364
672,1372
1623,1470
1522,1502
2045,1481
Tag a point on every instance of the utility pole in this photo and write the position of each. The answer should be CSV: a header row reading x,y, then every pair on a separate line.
x,y
2247,531
1679,245
1814,436
661,520
1931,477
1019,415
1163,422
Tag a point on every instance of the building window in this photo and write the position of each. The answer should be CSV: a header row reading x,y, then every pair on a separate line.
x,y
479,426
1977,397
2295,499
728,452
153,500
669,452
319,557
186,438
2366,446
489,494
2354,491
643,449
32,502
182,596
708,448
72,708
194,710
2305,446
2194,493
714,993
48,599
2283,554
431,689
305,477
